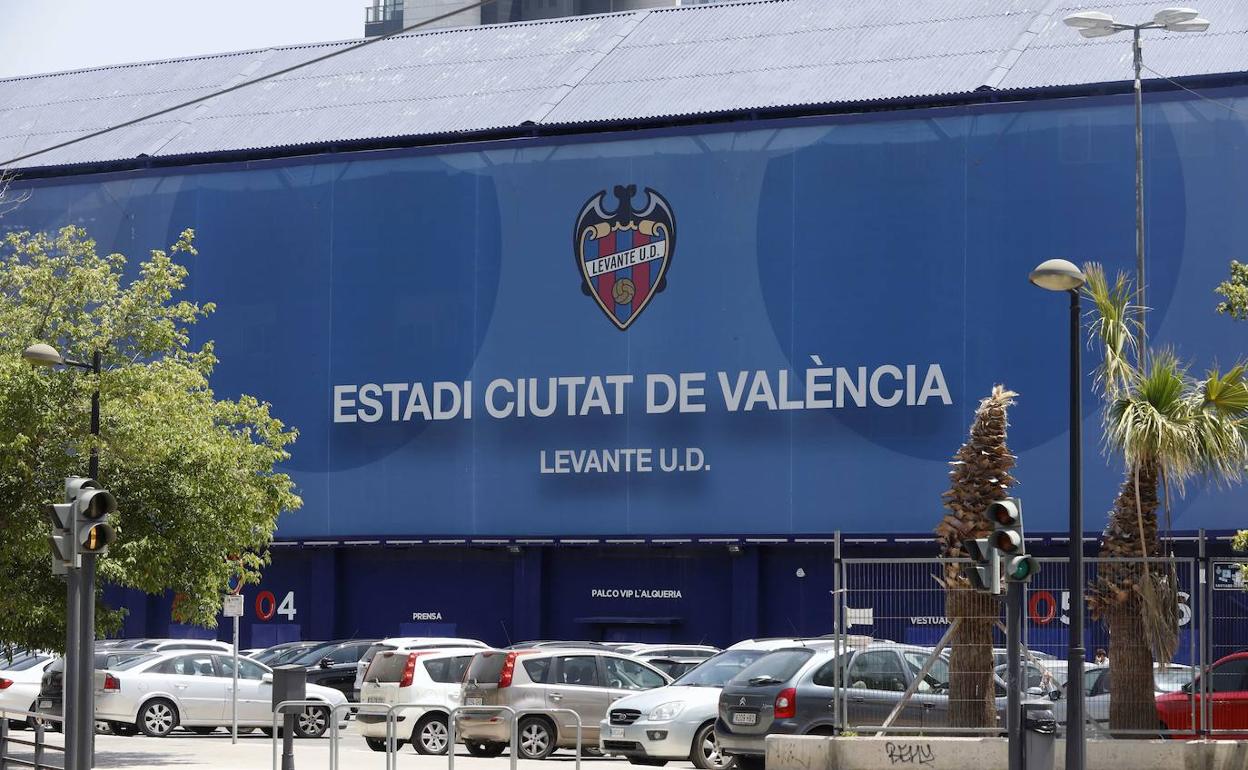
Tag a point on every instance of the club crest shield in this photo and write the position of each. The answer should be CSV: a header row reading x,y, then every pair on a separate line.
x,y
623,253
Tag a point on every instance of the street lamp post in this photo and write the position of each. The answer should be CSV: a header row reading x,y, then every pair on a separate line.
x,y
79,681
1060,275
1098,24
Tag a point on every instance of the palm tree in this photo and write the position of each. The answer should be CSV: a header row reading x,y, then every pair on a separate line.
x,y
980,476
1169,428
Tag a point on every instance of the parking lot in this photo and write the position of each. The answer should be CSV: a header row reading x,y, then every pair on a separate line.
x,y
255,752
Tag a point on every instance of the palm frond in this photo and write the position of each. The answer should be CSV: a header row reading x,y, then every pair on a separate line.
x,y
1115,323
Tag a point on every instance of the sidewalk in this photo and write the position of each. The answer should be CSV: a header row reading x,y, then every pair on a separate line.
x,y
255,752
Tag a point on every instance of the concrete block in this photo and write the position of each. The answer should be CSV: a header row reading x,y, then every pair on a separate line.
x,y
800,752
896,753
932,753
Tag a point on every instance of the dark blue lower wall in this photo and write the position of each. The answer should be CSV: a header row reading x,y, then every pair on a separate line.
x,y
715,594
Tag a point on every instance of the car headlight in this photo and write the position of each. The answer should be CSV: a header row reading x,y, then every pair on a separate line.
x,y
666,712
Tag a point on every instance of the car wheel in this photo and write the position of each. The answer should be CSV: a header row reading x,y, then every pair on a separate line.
x,y
157,718
706,753
124,729
376,744
536,738
485,750
312,722
430,736
202,730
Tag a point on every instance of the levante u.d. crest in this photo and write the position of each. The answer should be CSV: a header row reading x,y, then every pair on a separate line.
x,y
623,254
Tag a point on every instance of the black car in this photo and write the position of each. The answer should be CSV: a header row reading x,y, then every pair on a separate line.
x,y
52,683
332,664
280,654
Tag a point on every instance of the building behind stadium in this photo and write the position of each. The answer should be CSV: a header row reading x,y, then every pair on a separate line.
x,y
634,325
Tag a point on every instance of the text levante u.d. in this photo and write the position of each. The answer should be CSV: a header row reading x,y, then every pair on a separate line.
x,y
818,387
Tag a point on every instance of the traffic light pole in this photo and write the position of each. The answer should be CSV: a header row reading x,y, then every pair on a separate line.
x,y
69,678
1013,672
86,608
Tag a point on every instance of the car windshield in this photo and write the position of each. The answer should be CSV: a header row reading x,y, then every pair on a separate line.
x,y
1171,680
376,648
716,671
280,657
130,662
24,663
485,667
312,656
389,666
773,668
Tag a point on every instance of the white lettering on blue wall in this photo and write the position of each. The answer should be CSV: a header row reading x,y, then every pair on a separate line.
x,y
751,390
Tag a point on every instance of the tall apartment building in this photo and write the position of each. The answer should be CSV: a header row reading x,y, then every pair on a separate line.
x,y
385,16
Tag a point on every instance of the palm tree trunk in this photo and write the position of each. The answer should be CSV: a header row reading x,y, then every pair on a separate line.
x,y
1115,597
972,696
1131,702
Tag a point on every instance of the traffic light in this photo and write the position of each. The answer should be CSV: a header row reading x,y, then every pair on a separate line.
x,y
64,555
985,574
92,532
1008,539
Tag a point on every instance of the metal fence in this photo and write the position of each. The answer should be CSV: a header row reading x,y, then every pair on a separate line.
x,y
35,751
393,739
920,652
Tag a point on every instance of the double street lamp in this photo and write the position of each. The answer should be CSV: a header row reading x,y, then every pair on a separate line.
x,y
1094,24
78,703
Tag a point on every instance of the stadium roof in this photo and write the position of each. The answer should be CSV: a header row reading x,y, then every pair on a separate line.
x,y
672,64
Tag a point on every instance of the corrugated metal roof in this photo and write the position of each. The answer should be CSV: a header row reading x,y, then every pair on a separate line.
x,y
654,64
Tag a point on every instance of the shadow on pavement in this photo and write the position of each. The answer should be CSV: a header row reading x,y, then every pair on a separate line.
x,y
139,758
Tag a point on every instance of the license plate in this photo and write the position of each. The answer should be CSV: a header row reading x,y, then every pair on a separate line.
x,y
472,701
744,718
615,732
376,699
45,704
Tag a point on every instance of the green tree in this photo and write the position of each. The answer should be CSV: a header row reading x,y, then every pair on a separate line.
x,y
1169,428
194,475
1235,291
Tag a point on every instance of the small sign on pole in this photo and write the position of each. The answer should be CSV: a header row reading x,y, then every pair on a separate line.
x,y
232,606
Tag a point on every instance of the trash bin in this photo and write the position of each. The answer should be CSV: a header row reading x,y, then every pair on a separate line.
x,y
1039,736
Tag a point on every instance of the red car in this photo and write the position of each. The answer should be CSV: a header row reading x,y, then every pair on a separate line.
x,y
1228,693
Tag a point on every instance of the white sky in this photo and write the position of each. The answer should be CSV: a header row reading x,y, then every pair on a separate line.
x,y
52,35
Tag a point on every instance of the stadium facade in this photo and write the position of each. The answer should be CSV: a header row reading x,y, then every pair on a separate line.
x,y
634,325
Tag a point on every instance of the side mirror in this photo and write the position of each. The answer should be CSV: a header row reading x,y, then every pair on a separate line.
x,y
1035,692
266,678
326,662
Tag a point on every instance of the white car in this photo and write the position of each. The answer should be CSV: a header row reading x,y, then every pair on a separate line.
x,y
677,722
409,644
193,689
431,677
19,685
169,645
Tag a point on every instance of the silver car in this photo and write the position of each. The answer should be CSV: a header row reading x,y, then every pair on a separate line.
x,y
537,681
797,691
677,722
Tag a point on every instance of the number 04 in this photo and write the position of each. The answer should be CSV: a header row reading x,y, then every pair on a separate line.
x,y
287,607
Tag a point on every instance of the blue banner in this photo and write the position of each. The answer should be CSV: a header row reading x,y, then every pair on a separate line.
x,y
754,329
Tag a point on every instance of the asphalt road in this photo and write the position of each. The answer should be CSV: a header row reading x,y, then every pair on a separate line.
x,y
183,751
